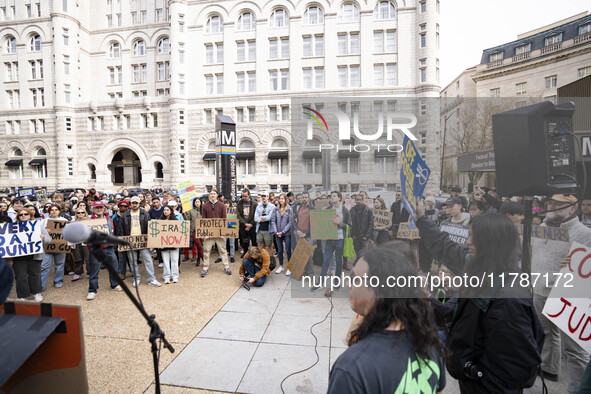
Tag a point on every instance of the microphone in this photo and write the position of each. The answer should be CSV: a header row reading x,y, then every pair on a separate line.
x,y
77,232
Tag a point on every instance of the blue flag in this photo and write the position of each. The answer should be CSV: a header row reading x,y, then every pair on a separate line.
x,y
414,175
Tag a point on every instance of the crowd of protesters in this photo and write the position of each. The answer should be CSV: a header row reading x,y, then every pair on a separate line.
x,y
507,352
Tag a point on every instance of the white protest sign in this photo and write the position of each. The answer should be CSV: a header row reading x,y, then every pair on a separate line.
x,y
20,239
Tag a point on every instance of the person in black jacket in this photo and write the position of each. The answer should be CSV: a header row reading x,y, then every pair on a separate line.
x,y
399,214
495,330
245,212
362,223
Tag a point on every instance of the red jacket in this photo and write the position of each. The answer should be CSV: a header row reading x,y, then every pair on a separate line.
x,y
213,211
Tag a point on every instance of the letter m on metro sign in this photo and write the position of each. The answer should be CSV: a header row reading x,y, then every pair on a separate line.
x,y
414,175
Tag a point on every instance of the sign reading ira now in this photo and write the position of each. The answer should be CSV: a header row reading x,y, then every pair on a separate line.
x,y
20,238
168,234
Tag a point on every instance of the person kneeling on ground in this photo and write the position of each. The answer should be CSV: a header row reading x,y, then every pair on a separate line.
x,y
255,266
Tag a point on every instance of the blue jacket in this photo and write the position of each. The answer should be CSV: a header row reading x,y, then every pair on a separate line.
x,y
268,215
281,224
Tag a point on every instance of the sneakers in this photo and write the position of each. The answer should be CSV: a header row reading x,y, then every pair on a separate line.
x,y
135,283
160,265
59,285
186,259
154,283
175,280
166,281
76,277
194,259
90,296
227,271
231,259
198,263
288,273
117,288
218,259
203,273
279,270
38,297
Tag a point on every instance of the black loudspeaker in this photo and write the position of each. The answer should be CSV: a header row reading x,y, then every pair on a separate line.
x,y
534,152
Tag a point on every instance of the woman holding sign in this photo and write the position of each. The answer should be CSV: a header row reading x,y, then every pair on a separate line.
x,y
27,269
170,256
380,232
59,259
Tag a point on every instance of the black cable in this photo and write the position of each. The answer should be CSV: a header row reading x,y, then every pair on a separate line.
x,y
315,346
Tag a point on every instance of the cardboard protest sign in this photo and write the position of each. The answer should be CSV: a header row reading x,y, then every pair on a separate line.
x,y
457,234
405,233
20,238
168,234
569,305
41,196
300,257
414,174
137,242
382,217
26,192
97,225
216,228
321,225
546,232
321,203
58,244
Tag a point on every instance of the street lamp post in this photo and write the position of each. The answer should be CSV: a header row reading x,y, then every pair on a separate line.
x,y
456,111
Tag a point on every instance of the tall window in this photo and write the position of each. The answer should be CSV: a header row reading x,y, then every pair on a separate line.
x,y
163,46
521,88
551,81
246,22
35,43
16,171
215,24
139,48
246,166
348,76
279,18
115,50
10,45
41,166
313,45
348,13
384,10
313,16
348,43
279,48
384,41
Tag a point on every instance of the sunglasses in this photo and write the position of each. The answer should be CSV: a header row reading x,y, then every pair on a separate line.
x,y
54,210
24,214
80,213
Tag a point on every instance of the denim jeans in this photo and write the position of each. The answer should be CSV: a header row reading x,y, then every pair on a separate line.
x,y
59,260
95,268
280,240
147,258
122,260
333,246
251,269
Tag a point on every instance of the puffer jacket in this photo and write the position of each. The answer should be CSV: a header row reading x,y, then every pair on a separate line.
x,y
281,224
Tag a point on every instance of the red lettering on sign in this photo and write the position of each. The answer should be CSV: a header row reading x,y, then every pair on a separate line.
x,y
566,302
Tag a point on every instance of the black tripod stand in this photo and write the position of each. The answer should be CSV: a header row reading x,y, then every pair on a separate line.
x,y
155,332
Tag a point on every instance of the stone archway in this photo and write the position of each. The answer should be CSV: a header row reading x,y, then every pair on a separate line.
x,y
126,168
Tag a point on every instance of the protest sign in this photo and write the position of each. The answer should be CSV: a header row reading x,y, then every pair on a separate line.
x,y
186,193
569,305
321,224
97,225
457,234
137,242
414,175
382,218
20,238
546,232
216,228
300,257
321,203
58,244
26,192
41,196
168,234
405,233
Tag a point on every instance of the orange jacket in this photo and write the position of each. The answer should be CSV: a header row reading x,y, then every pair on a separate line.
x,y
263,261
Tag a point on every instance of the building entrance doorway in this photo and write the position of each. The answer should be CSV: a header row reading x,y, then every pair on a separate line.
x,y
126,168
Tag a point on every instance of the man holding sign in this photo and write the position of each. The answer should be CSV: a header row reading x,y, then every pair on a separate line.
x,y
214,209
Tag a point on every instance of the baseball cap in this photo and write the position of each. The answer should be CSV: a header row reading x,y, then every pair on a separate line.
x,y
264,193
98,204
135,199
563,198
172,203
123,203
451,201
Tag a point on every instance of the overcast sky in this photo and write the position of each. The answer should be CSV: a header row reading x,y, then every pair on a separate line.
x,y
469,26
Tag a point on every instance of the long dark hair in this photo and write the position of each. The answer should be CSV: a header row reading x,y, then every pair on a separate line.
x,y
406,304
497,245
172,215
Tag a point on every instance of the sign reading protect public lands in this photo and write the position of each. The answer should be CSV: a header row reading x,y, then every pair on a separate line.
x,y
216,228
58,243
321,224
168,234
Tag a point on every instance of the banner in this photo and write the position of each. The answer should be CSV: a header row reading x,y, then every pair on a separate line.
x,y
382,217
137,242
546,232
457,234
414,175
97,225
27,192
216,228
300,257
58,243
405,233
41,196
569,305
168,234
20,238
321,225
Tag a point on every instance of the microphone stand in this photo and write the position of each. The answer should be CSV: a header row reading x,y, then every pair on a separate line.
x,y
155,332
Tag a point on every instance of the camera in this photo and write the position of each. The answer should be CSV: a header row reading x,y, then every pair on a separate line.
x,y
430,212
245,284
472,371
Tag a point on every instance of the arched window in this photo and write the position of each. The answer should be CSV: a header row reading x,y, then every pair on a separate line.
x,y
40,152
246,22
279,143
245,158
163,46
139,48
349,12
159,170
313,16
10,45
115,50
215,24
211,145
246,145
314,143
279,18
17,152
35,43
384,10
92,170
39,164
16,166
